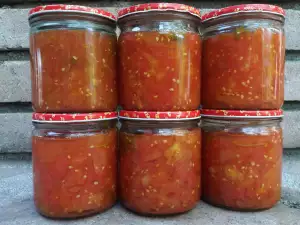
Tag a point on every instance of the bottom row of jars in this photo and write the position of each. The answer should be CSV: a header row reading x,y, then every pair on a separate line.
x,y
163,166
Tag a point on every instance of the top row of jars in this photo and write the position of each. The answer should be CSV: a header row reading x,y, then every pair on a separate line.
x,y
167,58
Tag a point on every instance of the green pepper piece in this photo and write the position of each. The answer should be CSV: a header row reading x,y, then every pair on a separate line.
x,y
239,31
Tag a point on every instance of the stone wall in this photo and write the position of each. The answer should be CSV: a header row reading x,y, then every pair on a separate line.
x,y
15,106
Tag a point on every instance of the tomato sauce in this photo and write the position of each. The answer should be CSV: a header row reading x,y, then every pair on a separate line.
x,y
73,71
159,71
242,171
74,176
244,69
160,174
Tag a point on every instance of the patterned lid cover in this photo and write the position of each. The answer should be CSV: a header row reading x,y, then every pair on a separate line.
x,y
243,8
159,7
242,113
71,118
71,8
152,115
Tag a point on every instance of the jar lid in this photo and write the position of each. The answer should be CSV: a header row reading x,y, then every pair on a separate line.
x,y
71,8
159,116
246,8
247,114
158,7
72,118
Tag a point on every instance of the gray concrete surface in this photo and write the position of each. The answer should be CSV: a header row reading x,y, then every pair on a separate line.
x,y
292,81
15,31
291,129
291,179
15,131
16,205
15,81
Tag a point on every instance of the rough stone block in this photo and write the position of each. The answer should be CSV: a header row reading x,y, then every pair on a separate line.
x,y
291,129
291,178
292,33
15,81
292,81
15,132
14,28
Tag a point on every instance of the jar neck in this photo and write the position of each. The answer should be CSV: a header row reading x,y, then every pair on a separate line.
x,y
76,127
160,22
128,124
247,21
240,122
71,21
245,16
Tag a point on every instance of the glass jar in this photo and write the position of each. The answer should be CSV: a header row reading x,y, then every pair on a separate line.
x,y
73,59
74,163
160,161
241,158
243,58
159,57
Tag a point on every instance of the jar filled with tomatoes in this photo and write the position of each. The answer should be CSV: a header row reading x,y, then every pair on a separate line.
x,y
160,161
243,58
73,59
242,158
74,163
159,57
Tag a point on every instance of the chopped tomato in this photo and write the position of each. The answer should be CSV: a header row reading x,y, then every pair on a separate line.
x,y
74,176
161,173
73,71
242,171
159,71
244,69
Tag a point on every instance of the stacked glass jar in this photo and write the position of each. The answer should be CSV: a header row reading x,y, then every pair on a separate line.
x,y
160,77
242,93
74,95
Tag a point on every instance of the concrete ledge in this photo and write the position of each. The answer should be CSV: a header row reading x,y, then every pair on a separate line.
x,y
292,81
15,31
291,129
15,84
291,178
15,131
16,205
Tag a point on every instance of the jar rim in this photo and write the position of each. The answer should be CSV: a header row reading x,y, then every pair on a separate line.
x,y
159,115
245,114
244,8
62,8
72,117
158,7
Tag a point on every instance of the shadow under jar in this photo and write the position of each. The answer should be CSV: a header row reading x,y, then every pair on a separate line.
x,y
243,58
74,163
241,159
160,161
73,59
159,57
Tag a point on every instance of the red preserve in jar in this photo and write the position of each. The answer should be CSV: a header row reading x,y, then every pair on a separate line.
x,y
74,163
159,57
73,59
160,161
242,158
243,57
